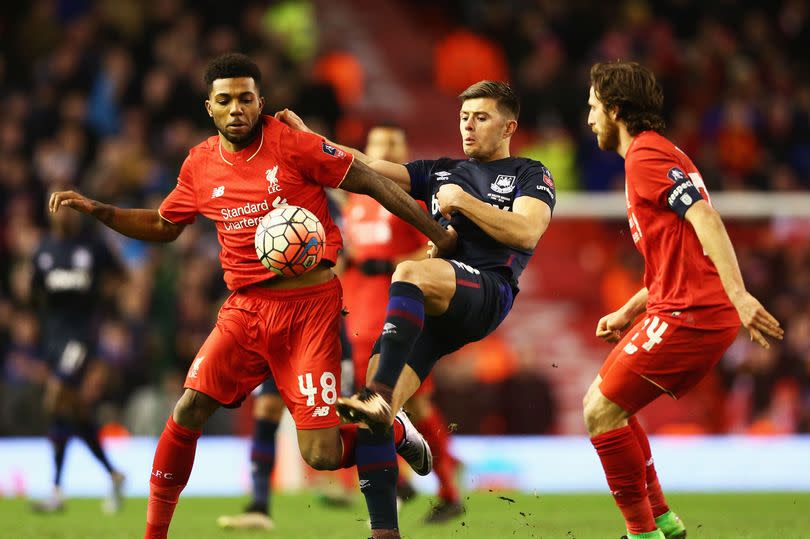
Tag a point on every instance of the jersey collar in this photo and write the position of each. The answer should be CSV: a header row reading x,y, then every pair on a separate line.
x,y
251,151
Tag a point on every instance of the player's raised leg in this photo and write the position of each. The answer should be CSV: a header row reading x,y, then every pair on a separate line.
x,y
418,288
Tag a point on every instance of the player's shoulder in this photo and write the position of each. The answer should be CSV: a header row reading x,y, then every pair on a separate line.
x,y
652,145
204,150
525,164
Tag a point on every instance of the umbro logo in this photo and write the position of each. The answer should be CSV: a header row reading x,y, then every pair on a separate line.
x,y
218,191
389,329
320,411
442,175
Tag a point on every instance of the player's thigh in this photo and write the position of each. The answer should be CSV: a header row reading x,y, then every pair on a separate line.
x,y
227,368
657,356
308,374
436,279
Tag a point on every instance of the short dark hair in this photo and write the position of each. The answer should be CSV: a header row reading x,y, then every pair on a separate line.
x,y
500,91
231,66
632,89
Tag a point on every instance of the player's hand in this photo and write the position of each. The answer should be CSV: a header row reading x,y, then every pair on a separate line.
x,y
448,248
70,199
448,198
757,320
293,120
611,326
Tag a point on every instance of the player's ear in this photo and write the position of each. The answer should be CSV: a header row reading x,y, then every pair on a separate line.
x,y
261,103
613,113
208,108
510,128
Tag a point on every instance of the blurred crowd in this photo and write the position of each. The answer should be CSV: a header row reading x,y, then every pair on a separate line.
x,y
106,97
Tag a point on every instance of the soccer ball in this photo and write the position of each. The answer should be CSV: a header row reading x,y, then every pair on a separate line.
x,y
289,241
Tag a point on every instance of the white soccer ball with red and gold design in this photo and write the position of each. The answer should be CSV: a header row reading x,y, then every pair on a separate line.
x,y
290,241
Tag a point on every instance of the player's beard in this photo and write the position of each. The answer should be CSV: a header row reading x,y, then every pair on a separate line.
x,y
608,139
243,141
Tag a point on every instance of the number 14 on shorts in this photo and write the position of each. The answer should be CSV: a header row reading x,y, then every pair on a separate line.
x,y
328,385
655,334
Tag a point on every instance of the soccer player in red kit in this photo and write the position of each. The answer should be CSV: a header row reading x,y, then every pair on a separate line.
x,y
378,241
269,324
693,299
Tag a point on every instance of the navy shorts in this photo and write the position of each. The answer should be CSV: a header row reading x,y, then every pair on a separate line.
x,y
482,300
69,358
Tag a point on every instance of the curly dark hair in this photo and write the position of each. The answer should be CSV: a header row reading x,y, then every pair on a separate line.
x,y
500,91
230,66
632,89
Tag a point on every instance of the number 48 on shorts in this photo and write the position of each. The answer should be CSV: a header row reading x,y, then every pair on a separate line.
x,y
328,389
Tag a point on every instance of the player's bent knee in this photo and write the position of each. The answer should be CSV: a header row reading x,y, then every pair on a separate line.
x,y
193,409
321,460
408,271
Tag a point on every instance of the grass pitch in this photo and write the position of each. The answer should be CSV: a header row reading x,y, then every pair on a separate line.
x,y
489,515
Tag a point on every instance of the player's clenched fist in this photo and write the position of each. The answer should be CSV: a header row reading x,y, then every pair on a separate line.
x,y
71,199
757,320
611,325
448,198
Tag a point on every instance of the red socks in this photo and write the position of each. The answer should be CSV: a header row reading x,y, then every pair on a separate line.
x,y
171,469
623,461
654,492
434,430
348,435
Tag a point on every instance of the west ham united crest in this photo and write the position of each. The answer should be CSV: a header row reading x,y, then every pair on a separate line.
x,y
503,184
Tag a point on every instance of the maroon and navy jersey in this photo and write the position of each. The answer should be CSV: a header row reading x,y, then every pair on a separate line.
x,y
235,190
498,183
662,183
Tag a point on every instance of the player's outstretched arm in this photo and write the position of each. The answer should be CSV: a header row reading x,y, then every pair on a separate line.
x,y
361,179
520,228
715,241
394,171
141,224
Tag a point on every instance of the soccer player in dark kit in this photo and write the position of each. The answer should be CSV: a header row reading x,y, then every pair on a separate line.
x,y
500,206
70,266
287,326
693,298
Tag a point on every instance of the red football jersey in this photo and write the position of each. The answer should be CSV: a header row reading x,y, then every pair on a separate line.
x,y
661,184
235,190
372,232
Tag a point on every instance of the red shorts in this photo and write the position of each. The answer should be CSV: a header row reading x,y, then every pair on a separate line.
x,y
293,334
658,355
361,353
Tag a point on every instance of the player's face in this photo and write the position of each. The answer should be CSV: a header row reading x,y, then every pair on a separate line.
x,y
236,107
484,128
601,123
387,144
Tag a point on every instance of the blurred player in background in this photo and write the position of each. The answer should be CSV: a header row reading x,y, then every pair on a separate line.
x,y
376,243
70,267
693,299
269,324
501,206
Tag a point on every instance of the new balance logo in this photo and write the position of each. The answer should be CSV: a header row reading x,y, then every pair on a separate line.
x,y
364,483
389,329
218,191
279,202
321,411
